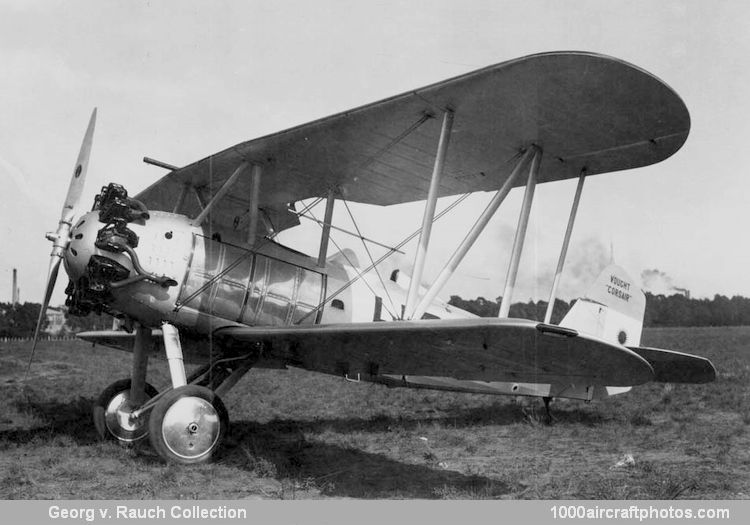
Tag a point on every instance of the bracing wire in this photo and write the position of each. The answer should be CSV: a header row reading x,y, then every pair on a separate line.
x,y
360,275
410,237
369,255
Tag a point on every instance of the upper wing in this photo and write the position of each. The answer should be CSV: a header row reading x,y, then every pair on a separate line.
x,y
479,349
584,110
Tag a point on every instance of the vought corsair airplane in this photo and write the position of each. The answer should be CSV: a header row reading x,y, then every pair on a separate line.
x,y
190,266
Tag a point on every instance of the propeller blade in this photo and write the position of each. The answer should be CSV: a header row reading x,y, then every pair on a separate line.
x,y
79,172
54,268
61,238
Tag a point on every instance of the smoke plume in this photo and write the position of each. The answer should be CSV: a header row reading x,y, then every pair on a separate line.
x,y
659,283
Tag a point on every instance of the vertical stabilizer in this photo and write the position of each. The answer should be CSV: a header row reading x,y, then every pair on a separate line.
x,y
612,309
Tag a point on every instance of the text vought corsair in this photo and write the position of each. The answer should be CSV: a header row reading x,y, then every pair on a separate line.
x,y
191,268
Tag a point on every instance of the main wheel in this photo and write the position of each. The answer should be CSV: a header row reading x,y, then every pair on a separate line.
x,y
188,424
112,413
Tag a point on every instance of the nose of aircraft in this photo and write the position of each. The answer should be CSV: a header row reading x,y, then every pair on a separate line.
x,y
81,247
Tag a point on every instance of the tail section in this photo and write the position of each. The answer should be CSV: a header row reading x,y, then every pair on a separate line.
x,y
612,309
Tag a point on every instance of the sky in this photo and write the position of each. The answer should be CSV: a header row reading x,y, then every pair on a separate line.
x,y
179,80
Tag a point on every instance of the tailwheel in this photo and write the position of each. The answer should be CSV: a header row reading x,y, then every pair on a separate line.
x,y
113,413
188,424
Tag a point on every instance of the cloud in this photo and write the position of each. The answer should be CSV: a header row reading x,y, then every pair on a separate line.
x,y
584,263
17,186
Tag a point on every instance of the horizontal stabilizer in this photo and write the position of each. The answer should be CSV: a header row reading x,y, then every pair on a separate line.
x,y
676,367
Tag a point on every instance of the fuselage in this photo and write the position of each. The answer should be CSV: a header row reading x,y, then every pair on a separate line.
x,y
220,284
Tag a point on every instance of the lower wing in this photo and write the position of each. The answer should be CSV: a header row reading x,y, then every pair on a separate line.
x,y
469,349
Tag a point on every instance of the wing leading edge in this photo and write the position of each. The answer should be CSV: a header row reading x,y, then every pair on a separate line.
x,y
584,110
472,349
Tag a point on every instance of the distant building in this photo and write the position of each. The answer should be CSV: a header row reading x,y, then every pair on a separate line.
x,y
56,320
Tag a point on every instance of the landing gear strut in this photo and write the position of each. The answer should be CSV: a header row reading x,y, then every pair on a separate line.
x,y
548,418
185,424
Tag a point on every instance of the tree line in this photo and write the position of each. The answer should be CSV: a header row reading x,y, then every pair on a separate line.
x,y
661,311
19,321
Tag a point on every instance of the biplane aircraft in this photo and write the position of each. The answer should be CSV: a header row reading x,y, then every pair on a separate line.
x,y
191,266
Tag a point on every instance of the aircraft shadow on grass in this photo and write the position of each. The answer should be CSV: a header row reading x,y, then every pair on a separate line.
x,y
340,471
283,449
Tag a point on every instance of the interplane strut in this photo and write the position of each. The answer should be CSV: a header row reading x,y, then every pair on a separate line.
x,y
564,249
523,222
471,237
429,213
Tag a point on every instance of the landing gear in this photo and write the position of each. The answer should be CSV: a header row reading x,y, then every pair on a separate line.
x,y
187,424
113,411
548,418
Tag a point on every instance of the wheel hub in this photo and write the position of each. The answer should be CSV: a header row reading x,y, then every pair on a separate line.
x,y
119,419
191,427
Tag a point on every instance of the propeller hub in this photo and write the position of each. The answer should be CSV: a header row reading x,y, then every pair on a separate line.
x,y
82,246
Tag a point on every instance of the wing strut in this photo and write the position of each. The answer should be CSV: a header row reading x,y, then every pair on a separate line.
x,y
523,222
252,229
181,198
220,194
200,196
429,212
564,249
326,234
471,237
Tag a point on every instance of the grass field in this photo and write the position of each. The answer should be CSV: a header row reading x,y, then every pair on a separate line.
x,y
298,435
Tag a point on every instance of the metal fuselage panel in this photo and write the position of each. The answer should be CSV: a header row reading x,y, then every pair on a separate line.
x,y
250,287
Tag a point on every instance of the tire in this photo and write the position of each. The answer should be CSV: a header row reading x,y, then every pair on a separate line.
x,y
188,425
110,411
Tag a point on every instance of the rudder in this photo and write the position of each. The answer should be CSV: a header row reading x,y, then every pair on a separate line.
x,y
612,309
